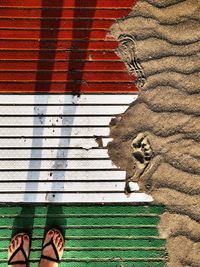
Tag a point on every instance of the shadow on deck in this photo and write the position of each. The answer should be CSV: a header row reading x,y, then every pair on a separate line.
x,y
95,235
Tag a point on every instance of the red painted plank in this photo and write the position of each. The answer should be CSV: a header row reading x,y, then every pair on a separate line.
x,y
68,3
65,55
66,13
61,88
61,65
63,23
77,27
55,33
36,44
64,76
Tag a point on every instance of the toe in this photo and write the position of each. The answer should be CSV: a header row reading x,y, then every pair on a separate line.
x,y
57,239
50,233
60,246
10,249
12,245
17,241
48,236
26,238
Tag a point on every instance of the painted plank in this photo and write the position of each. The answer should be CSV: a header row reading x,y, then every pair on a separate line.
x,y
52,153
57,76
58,164
21,23
76,65
35,174
60,99
61,110
49,33
89,239
65,13
57,54
61,87
55,44
23,142
77,175
74,198
68,3
64,187
56,132
55,121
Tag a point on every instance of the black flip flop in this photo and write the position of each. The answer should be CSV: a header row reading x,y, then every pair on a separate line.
x,y
20,248
51,243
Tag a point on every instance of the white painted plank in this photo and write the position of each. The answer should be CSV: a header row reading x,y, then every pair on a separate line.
x,y
66,175
65,187
62,110
77,198
55,121
56,164
68,99
22,142
52,131
52,153
41,170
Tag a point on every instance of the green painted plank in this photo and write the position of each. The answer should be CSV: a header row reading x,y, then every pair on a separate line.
x,y
141,243
102,254
115,236
90,231
90,221
151,209
112,263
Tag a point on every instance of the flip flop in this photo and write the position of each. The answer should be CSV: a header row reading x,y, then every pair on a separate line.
x,y
21,249
51,243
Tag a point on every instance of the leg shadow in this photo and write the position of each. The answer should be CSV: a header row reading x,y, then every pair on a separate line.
x,y
56,219
24,222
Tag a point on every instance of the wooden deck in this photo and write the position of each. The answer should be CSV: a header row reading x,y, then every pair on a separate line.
x,y
111,236
61,46
53,148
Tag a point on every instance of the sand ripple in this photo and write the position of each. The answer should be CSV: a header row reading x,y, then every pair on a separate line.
x,y
166,38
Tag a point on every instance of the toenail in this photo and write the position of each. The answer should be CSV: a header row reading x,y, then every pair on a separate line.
x,y
51,232
25,237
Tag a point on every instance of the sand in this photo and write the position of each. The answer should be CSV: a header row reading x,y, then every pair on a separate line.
x,y
157,140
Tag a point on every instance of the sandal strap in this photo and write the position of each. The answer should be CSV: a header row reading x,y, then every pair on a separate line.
x,y
20,248
51,243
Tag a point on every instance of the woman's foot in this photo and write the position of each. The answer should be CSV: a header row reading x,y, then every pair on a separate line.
x,y
53,248
18,251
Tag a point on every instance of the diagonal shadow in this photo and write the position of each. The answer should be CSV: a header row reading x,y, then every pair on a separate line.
x,y
42,110
77,22
56,218
76,90
24,222
79,18
52,35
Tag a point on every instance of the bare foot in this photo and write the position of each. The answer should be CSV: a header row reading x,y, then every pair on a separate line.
x,y
18,251
53,248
